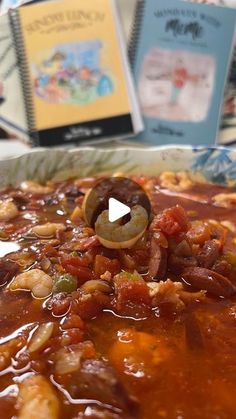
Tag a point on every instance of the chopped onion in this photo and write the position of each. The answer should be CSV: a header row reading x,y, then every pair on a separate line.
x,y
45,263
96,285
67,361
41,336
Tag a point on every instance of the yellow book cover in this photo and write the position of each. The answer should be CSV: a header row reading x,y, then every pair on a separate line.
x,y
74,69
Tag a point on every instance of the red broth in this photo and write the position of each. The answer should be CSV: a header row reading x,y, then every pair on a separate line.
x,y
137,354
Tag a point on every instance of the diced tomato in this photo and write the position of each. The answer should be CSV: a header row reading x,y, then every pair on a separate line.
x,y
88,350
131,291
75,261
61,307
171,221
83,273
72,336
199,232
88,231
9,228
59,304
89,243
103,264
72,321
88,306
49,250
77,266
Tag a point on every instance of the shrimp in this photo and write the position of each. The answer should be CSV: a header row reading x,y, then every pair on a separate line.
x,y
35,280
116,236
48,229
30,186
37,399
8,210
176,182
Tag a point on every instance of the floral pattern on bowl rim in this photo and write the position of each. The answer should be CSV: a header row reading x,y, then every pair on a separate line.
x,y
217,165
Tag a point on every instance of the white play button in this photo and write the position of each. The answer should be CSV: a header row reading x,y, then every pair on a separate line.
x,y
117,209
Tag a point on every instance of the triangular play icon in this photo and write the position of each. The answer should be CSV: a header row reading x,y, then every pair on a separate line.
x,y
117,209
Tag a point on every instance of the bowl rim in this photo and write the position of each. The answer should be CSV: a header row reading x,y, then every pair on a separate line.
x,y
120,148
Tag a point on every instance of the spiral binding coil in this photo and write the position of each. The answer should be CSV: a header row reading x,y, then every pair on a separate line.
x,y
25,78
135,32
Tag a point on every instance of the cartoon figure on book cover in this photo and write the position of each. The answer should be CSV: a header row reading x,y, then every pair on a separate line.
x,y
176,85
72,73
181,77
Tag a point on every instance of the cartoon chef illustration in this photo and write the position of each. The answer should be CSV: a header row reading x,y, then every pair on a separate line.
x,y
180,78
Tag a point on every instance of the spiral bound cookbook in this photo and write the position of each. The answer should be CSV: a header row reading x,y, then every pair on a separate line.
x,y
180,54
73,72
12,112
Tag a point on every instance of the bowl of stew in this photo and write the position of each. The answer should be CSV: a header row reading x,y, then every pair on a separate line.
x,y
144,331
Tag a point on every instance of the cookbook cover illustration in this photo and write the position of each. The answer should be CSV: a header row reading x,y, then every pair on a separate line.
x,y
72,73
180,56
74,67
169,80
